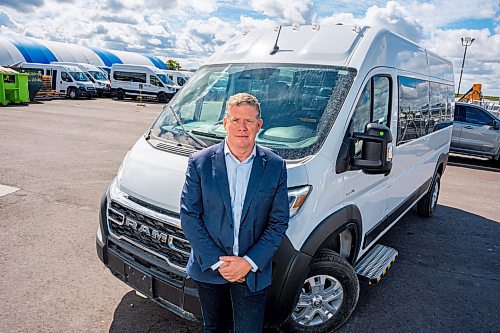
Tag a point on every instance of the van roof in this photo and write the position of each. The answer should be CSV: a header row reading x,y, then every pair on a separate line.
x,y
69,68
81,65
362,48
137,68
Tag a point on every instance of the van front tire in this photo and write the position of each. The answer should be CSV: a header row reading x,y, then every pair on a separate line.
x,y
329,295
162,97
72,93
428,203
120,94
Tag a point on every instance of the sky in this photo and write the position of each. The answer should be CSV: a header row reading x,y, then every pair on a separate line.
x,y
191,30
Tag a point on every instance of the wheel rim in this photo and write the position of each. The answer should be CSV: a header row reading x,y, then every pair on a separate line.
x,y
319,301
72,94
435,194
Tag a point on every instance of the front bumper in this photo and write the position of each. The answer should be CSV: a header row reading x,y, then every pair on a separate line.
x,y
169,288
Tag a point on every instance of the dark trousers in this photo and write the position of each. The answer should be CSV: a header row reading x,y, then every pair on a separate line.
x,y
231,304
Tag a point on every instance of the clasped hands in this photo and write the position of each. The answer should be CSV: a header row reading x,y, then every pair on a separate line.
x,y
234,268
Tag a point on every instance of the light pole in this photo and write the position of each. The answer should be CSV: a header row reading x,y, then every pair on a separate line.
x,y
467,41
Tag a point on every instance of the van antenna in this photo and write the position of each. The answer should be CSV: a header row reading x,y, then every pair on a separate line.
x,y
276,47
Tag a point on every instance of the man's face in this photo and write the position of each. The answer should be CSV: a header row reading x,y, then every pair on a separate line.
x,y
242,125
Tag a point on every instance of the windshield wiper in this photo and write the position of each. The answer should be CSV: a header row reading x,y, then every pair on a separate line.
x,y
179,121
208,134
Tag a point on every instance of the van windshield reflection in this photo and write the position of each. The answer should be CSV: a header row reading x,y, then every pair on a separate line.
x,y
298,104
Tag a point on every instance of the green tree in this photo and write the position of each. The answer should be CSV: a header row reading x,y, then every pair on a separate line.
x,y
173,64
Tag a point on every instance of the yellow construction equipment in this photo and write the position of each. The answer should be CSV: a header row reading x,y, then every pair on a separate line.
x,y
474,95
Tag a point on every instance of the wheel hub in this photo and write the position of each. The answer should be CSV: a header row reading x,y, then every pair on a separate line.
x,y
320,299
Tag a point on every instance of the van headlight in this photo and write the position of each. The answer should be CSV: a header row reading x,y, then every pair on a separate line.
x,y
296,198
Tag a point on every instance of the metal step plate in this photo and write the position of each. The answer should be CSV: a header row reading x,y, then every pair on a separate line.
x,y
374,265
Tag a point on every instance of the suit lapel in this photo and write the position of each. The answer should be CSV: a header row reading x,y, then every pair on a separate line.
x,y
258,167
220,173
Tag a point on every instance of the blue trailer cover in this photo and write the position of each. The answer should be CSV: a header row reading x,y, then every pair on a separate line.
x,y
157,62
33,51
107,57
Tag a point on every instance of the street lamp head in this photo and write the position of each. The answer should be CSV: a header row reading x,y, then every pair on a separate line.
x,y
467,41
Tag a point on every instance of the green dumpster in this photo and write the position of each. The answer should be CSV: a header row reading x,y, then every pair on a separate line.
x,y
13,87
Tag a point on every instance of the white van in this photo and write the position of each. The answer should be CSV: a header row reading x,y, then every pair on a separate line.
x,y
362,117
96,75
178,77
140,80
67,80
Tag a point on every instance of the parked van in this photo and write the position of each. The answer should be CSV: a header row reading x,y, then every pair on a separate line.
x,y
97,76
178,77
67,80
364,124
140,80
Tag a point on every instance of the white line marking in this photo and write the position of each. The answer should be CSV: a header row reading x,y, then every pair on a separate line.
x,y
4,190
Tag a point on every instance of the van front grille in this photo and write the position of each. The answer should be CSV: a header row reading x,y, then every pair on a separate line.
x,y
155,236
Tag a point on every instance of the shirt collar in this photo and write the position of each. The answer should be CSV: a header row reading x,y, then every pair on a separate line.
x,y
227,151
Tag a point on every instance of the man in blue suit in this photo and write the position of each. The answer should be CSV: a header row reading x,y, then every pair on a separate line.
x,y
234,212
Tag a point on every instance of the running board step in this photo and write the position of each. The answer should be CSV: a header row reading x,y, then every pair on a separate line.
x,y
376,263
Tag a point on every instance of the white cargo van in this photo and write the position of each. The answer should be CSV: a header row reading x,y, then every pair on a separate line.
x,y
96,75
140,80
178,77
67,80
363,118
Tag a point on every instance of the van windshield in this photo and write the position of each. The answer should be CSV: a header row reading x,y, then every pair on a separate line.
x,y
79,76
299,104
164,78
98,75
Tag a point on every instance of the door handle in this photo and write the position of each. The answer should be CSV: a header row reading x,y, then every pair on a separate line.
x,y
468,127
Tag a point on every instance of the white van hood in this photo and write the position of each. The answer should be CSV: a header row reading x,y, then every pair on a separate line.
x,y
153,175
157,177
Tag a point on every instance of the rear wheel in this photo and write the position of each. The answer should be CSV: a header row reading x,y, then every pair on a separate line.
x,y
427,205
120,94
328,297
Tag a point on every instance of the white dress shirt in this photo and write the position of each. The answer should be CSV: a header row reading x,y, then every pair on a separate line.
x,y
238,175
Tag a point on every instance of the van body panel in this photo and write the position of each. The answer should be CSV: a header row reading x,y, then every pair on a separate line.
x,y
63,80
141,80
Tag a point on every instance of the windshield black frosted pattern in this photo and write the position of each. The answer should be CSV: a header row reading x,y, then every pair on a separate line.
x,y
299,104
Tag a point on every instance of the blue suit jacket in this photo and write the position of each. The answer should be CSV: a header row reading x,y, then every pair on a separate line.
x,y
207,219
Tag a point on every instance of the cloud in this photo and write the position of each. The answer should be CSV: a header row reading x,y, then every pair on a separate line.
x,y
7,21
23,5
287,11
393,16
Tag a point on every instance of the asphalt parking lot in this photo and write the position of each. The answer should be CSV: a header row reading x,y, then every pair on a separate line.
x,y
61,156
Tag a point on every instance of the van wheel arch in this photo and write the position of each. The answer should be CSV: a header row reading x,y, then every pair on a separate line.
x,y
339,230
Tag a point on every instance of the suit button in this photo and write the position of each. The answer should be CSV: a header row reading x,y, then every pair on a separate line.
x,y
231,226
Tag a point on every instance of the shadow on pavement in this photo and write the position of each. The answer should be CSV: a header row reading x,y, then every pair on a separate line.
x,y
446,279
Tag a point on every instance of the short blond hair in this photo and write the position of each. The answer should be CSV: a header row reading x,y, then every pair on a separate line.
x,y
243,99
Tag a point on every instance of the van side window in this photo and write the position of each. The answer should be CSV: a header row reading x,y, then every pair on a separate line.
x,y
424,107
154,80
65,77
129,76
373,106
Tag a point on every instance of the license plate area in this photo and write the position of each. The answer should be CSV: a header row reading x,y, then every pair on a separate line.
x,y
139,280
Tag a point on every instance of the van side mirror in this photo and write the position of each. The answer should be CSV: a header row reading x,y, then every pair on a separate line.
x,y
376,151
160,84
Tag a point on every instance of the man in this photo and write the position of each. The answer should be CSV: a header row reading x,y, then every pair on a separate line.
x,y
234,212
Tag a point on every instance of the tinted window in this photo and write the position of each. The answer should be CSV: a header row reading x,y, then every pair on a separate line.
x,y
129,76
477,116
65,77
373,106
413,109
459,113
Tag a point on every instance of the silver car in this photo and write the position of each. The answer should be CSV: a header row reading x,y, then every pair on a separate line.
x,y
475,132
